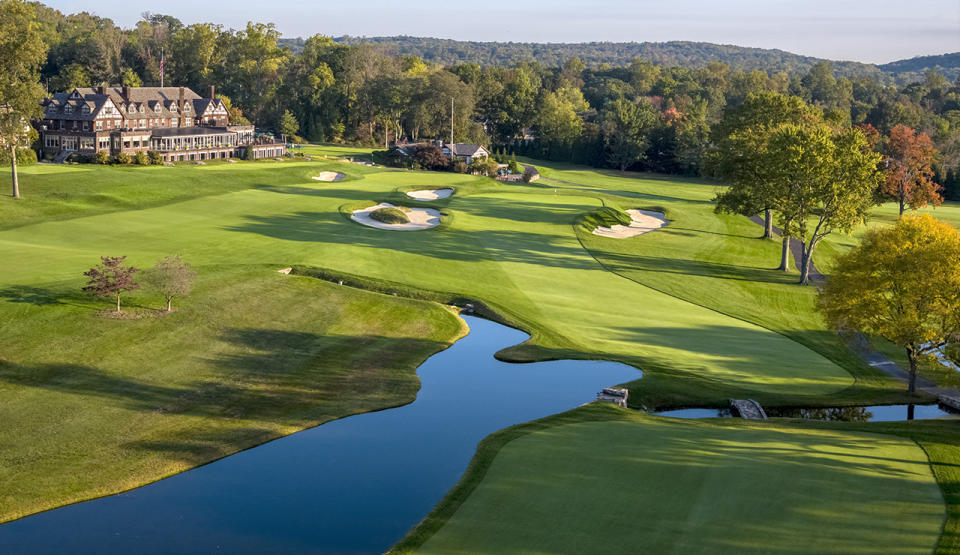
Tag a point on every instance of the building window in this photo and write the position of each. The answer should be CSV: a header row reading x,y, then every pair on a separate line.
x,y
99,125
86,126
142,124
108,109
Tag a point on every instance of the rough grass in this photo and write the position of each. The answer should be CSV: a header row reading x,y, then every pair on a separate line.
x,y
390,215
602,479
93,405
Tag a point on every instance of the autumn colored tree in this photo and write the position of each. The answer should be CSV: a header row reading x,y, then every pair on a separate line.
x,y
901,282
909,171
111,277
824,180
171,277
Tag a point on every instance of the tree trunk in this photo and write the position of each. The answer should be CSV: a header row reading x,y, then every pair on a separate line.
x,y
805,257
902,199
912,356
13,170
118,303
785,255
169,299
767,224
807,260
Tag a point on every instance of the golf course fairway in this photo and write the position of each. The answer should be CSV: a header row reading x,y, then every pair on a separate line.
x,y
95,405
630,483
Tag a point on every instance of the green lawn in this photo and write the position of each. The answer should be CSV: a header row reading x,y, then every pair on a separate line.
x,y
602,479
93,405
716,261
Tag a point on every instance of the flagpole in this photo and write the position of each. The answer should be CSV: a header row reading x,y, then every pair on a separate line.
x,y
161,68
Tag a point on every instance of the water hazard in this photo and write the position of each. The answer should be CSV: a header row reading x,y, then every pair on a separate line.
x,y
876,413
350,486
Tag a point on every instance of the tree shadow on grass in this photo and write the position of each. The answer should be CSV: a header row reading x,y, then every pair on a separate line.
x,y
447,244
40,296
275,377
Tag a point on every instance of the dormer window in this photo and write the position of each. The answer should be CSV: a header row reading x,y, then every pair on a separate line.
x,y
186,107
85,109
156,108
141,108
173,108
131,108
68,109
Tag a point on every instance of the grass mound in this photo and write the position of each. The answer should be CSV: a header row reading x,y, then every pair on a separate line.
x,y
605,217
390,215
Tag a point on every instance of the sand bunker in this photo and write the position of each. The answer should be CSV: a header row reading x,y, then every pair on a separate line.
x,y
420,218
641,221
430,194
329,176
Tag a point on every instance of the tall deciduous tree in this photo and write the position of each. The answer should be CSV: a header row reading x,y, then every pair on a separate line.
x,y
171,277
626,128
111,277
22,52
741,139
825,181
901,282
909,170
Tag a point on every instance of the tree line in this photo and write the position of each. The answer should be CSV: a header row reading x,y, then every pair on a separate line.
x,y
638,116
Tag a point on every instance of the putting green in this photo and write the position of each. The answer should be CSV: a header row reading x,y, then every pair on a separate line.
x,y
126,384
655,485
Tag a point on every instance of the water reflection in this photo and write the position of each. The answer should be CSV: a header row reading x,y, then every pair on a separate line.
x,y
354,485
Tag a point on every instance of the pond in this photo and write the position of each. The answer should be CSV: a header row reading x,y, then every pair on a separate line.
x,y
355,485
876,413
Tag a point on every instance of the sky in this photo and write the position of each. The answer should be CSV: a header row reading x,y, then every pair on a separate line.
x,y
873,31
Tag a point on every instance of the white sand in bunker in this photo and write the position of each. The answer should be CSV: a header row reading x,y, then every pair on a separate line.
x,y
430,194
329,176
420,218
641,221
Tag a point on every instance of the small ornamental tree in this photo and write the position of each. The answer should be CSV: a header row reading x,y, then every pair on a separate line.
x,y
101,157
901,282
141,159
909,171
171,277
111,277
431,157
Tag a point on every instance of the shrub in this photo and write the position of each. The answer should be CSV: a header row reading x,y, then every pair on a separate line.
x,y
458,166
101,158
484,166
390,215
25,156
530,174
155,158
431,157
141,159
121,158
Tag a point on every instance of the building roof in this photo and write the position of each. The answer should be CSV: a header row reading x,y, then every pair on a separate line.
x,y
463,149
146,102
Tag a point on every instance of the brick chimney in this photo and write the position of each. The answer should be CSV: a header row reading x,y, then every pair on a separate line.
x,y
212,91
180,108
126,93
101,90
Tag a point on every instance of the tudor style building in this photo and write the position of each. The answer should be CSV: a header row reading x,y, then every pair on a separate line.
x,y
173,121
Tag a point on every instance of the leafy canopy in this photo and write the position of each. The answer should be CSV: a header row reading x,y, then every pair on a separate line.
x,y
901,282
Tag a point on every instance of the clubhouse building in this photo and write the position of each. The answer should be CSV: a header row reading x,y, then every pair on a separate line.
x,y
176,122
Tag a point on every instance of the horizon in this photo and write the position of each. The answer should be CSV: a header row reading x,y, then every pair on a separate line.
x,y
834,30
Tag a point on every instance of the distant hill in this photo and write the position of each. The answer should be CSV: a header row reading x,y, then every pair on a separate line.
x,y
947,64
682,53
